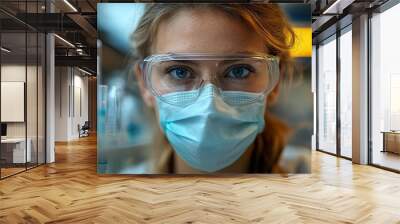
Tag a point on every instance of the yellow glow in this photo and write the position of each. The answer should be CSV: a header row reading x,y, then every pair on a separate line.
x,y
303,42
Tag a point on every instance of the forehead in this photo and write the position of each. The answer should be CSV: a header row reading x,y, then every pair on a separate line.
x,y
205,30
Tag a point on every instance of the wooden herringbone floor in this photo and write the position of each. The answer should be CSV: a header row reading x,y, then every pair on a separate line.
x,y
70,191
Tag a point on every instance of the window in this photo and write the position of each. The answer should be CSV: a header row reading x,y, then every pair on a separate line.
x,y
385,89
346,92
327,96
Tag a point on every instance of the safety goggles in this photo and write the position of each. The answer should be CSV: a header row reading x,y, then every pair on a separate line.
x,y
173,73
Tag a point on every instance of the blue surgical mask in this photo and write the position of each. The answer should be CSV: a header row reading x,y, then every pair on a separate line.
x,y
212,132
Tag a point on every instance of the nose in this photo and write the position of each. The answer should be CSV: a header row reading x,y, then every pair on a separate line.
x,y
210,80
209,89
209,75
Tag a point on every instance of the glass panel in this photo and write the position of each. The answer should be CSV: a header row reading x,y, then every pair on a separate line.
x,y
327,96
31,97
41,99
41,57
23,89
346,94
32,88
13,87
385,84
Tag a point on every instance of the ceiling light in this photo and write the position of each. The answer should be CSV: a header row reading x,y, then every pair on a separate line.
x,y
326,11
5,50
337,7
84,71
70,5
65,41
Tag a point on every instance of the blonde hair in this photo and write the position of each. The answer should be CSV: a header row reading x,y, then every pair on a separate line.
x,y
268,21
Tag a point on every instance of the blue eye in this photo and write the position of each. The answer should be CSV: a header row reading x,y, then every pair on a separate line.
x,y
238,72
179,73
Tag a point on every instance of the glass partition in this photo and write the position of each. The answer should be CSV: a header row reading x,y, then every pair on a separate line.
x,y
14,153
346,92
385,89
22,92
31,99
41,96
327,96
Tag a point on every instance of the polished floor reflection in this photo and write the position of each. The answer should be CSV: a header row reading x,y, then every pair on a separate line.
x,y
70,191
387,159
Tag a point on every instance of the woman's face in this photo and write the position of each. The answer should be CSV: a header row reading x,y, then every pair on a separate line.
x,y
204,30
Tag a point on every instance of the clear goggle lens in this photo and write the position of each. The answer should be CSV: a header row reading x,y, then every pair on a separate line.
x,y
172,73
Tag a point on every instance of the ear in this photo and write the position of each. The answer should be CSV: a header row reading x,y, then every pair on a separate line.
x,y
273,95
148,98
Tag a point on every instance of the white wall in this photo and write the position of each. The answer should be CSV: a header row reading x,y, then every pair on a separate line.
x,y
79,117
33,127
62,82
16,73
70,83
